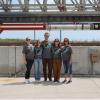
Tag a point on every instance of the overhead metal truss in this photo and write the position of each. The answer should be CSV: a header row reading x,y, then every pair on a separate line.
x,y
46,6
46,11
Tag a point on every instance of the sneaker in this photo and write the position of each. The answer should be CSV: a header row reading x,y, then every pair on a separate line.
x,y
55,82
37,81
64,81
45,80
27,81
58,81
69,81
50,79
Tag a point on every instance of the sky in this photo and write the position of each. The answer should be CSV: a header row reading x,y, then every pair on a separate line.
x,y
74,35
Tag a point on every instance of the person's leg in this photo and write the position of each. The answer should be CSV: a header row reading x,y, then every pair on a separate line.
x,y
55,70
70,72
39,68
59,63
28,68
45,69
26,73
65,70
50,67
36,69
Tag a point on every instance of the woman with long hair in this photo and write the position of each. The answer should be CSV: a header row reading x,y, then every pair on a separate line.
x,y
57,62
67,60
37,60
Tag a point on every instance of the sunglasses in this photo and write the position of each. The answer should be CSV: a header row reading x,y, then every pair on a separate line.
x,y
65,40
57,40
46,35
28,40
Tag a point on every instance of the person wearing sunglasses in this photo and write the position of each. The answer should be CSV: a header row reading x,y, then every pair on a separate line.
x,y
67,60
37,60
57,62
28,58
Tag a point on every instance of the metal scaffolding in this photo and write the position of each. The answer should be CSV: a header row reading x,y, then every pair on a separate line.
x,y
49,11
46,6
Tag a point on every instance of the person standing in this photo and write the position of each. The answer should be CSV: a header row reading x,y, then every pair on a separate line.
x,y
28,58
57,62
67,60
37,60
47,57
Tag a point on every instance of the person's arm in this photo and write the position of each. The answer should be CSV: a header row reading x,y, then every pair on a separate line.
x,y
24,57
34,52
70,60
52,49
42,45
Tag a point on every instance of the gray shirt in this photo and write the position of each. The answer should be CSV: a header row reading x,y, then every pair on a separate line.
x,y
47,52
66,53
28,50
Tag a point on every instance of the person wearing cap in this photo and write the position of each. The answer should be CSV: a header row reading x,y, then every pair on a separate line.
x,y
37,60
67,60
28,58
57,62
47,57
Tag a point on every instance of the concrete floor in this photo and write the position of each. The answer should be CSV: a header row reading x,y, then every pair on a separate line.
x,y
14,88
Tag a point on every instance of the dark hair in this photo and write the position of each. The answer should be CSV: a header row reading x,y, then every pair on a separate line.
x,y
37,43
66,39
57,40
28,39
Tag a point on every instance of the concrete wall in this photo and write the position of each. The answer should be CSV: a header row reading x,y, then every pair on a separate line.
x,y
11,61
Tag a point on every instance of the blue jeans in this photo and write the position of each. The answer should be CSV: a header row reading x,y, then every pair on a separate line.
x,y
37,68
67,67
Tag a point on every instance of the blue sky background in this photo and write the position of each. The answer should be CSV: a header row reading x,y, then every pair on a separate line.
x,y
74,35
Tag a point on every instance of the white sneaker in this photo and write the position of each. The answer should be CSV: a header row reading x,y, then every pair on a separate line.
x,y
27,81
37,81
55,82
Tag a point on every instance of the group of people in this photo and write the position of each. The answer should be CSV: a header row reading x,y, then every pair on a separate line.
x,y
49,55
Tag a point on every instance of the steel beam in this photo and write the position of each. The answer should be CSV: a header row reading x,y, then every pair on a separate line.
x,y
26,3
39,4
22,27
45,5
58,4
49,17
82,5
21,5
92,4
44,12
